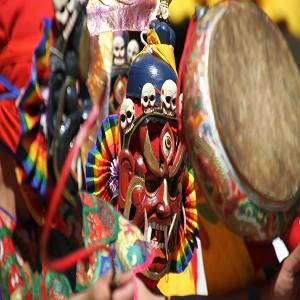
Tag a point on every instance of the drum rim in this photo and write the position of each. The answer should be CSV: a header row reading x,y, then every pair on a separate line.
x,y
252,192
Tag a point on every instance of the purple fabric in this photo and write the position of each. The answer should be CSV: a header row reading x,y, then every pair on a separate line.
x,y
115,15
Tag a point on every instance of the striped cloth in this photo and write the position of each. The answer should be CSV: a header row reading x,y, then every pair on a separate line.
x,y
32,150
20,113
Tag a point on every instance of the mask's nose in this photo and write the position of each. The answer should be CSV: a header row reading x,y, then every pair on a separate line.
x,y
163,207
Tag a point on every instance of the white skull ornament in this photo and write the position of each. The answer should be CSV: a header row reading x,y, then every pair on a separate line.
x,y
119,50
63,10
127,114
133,49
168,97
148,98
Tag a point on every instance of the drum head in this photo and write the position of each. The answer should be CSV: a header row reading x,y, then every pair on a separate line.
x,y
255,90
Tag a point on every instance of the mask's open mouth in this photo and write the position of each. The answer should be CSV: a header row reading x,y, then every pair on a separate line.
x,y
158,235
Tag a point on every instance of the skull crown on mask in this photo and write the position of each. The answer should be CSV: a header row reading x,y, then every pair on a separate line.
x,y
151,166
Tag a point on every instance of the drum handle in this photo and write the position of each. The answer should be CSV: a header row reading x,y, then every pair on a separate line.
x,y
190,30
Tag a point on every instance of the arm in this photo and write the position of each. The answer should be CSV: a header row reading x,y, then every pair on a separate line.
x,y
284,285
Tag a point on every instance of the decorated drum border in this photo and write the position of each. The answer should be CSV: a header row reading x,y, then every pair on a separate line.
x,y
238,207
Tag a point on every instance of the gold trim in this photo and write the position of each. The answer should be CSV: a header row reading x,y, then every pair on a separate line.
x,y
134,183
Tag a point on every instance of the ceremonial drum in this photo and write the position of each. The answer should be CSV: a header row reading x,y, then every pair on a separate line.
x,y
241,119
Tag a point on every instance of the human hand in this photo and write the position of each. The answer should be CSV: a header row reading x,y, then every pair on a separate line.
x,y
286,285
101,289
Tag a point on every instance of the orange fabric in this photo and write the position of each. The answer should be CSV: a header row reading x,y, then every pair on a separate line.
x,y
228,265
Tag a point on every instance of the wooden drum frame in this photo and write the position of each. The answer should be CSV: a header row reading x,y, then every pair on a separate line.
x,y
241,119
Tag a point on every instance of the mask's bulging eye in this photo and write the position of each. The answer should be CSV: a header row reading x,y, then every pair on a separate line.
x,y
167,144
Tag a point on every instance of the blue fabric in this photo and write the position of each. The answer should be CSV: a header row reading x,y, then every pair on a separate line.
x,y
12,93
